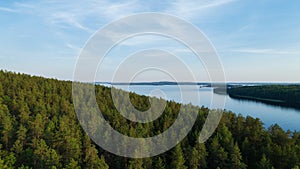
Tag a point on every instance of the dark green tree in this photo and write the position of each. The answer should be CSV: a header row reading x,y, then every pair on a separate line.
x,y
197,158
177,158
264,163
236,158
91,159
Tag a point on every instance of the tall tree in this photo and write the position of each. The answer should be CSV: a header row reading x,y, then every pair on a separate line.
x,y
159,163
45,156
217,155
91,158
6,126
236,158
177,158
264,163
197,158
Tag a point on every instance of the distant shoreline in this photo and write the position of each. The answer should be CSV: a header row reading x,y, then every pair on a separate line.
x,y
280,95
204,84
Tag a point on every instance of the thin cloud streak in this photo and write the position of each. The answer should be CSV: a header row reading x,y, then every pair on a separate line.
x,y
116,10
191,9
7,9
73,47
81,15
77,14
24,5
266,51
65,18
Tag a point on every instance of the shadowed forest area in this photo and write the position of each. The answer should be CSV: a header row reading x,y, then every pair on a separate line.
x,y
282,95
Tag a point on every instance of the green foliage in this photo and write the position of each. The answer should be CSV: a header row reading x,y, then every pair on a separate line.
x,y
178,158
135,164
159,163
44,156
283,95
197,158
7,159
264,163
39,129
91,158
236,158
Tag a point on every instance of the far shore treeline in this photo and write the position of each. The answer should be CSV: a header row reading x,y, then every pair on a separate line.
x,y
282,95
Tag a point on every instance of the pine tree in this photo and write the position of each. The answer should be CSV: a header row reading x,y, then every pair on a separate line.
x,y
218,156
159,163
91,159
37,126
236,158
264,163
7,159
135,164
177,158
73,165
6,126
45,156
198,155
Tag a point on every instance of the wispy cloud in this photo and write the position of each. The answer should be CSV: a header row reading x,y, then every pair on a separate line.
x,y
24,5
114,10
73,47
265,51
190,9
83,16
7,9
86,16
69,19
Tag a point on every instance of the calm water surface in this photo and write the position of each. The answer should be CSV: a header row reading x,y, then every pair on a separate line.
x,y
287,118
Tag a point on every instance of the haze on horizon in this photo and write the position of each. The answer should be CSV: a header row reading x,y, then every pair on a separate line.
x,y
256,41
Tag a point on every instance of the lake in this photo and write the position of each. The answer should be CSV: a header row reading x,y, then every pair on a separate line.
x,y
287,118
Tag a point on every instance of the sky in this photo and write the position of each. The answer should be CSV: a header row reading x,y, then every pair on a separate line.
x,y
257,41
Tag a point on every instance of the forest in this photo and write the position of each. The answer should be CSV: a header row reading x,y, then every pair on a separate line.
x,y
39,129
282,95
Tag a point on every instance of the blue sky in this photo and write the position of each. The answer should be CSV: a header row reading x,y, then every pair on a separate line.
x,y
255,40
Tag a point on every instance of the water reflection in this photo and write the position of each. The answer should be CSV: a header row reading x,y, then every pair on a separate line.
x,y
287,118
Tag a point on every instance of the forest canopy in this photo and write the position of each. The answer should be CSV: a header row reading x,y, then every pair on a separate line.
x,y
39,129
282,95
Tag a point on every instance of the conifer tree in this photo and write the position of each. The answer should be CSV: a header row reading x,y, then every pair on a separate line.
x,y
177,158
